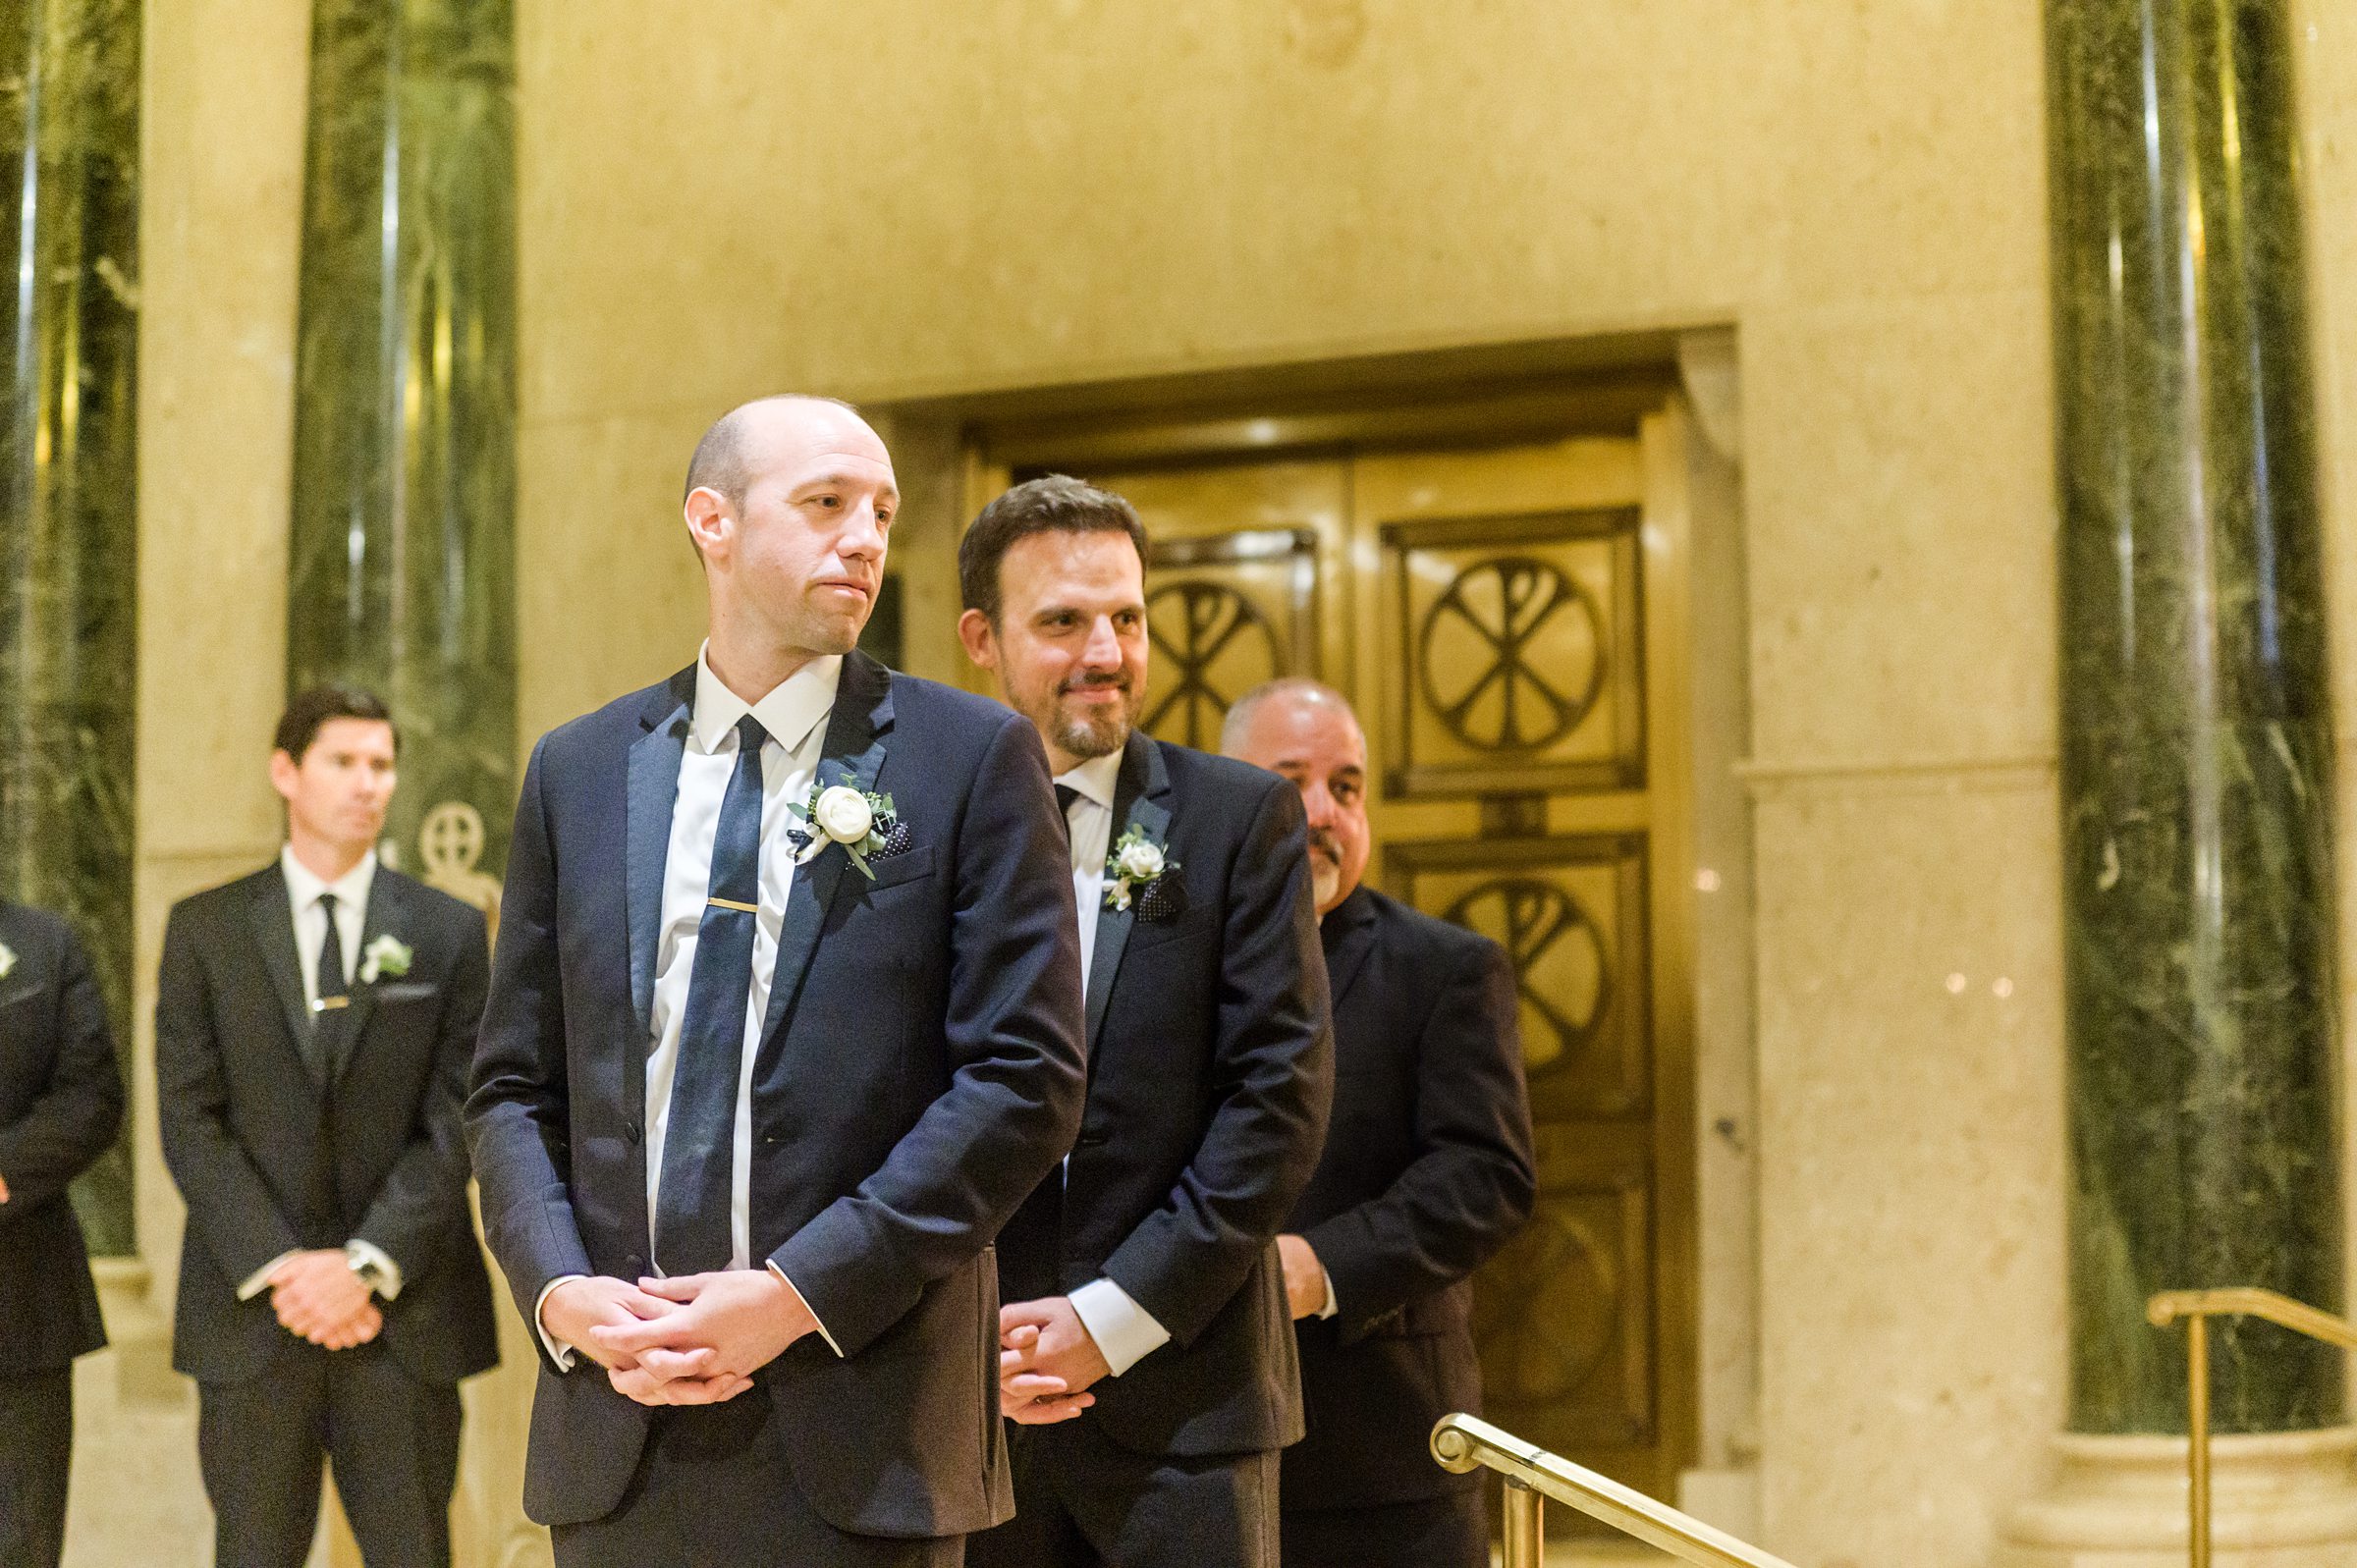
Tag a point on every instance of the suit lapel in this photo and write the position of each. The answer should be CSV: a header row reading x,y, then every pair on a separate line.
x,y
854,752
385,914
654,782
272,914
1354,937
1140,799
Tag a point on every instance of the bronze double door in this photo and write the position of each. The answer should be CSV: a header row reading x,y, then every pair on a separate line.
x,y
1509,624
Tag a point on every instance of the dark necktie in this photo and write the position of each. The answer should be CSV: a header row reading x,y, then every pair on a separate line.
x,y
693,1198
1065,795
334,991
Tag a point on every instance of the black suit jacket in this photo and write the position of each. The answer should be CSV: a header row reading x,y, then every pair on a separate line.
x,y
920,1068
1427,1172
61,1101
1210,1072
271,1158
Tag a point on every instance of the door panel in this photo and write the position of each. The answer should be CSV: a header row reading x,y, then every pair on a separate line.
x,y
1505,621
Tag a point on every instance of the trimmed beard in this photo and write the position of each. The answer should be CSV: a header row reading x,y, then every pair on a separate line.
x,y
1325,881
1078,737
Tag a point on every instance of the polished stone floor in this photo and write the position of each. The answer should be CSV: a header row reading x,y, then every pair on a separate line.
x,y
136,1498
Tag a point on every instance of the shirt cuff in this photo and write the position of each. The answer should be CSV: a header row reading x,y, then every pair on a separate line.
x,y
260,1280
806,1301
1125,1332
558,1351
370,1262
1332,1306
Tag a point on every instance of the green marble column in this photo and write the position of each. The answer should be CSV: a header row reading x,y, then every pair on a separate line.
x,y
402,548
68,535
2196,725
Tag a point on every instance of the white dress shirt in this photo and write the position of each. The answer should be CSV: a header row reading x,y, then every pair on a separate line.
x,y
304,890
794,714
1125,1332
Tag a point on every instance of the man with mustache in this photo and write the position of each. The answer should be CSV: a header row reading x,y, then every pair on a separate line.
x,y
1142,1279
784,1022
1427,1172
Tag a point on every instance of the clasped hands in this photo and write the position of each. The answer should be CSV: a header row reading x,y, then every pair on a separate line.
x,y
319,1297
695,1339
1047,1361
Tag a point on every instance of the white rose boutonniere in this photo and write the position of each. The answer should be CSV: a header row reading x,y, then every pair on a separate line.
x,y
386,958
861,821
8,960
1136,865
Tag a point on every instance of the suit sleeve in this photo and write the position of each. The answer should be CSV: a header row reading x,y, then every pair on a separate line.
x,y
1472,1182
516,1116
1017,1057
77,1115
232,1212
1274,1078
409,1217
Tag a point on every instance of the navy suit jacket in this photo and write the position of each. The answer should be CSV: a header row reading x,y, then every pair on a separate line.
x,y
1210,1072
271,1159
920,1068
1427,1172
61,1101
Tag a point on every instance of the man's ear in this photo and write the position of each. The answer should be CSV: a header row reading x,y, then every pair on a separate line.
x,y
981,642
283,771
710,519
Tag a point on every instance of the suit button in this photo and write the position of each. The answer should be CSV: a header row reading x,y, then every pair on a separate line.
x,y
630,1131
636,1265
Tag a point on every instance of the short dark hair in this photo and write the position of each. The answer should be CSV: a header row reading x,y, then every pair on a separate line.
x,y
300,724
1055,503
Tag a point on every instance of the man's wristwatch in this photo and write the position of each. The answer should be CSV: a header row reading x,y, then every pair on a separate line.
x,y
366,1268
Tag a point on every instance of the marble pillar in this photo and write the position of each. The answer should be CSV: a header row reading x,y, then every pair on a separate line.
x,y
402,564
70,141
2196,730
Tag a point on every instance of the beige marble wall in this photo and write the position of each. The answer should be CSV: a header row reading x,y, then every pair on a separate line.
x,y
902,200
1018,193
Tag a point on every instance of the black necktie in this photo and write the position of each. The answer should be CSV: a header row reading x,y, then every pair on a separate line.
x,y
1065,795
334,990
694,1197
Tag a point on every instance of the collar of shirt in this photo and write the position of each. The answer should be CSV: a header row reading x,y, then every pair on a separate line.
x,y
1094,778
305,886
791,709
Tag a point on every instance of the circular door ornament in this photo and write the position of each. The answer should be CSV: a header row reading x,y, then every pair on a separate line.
x,y
1217,644
1561,973
1511,655
1547,1311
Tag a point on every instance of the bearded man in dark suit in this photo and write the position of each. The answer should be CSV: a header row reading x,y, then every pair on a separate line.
x,y
313,1023
1143,1277
786,1020
1427,1172
61,1103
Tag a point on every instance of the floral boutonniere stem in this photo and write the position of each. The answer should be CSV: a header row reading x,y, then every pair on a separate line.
x,y
1136,862
388,957
861,821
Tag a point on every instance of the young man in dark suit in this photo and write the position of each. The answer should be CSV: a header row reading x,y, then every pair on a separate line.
x,y
61,1101
1427,1172
1143,1279
313,1024
786,1020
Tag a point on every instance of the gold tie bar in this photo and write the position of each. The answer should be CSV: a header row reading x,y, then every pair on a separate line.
x,y
730,903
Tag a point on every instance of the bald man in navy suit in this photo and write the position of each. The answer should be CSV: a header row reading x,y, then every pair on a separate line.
x,y
1427,1172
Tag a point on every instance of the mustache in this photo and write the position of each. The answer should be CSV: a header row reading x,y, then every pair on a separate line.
x,y
1322,841
1119,681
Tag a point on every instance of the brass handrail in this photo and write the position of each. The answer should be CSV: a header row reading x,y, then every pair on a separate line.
x,y
2196,1308
1461,1443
